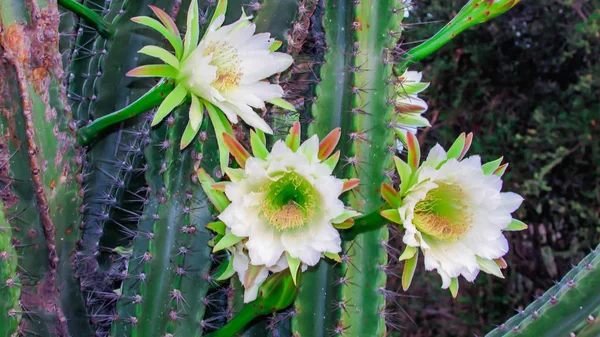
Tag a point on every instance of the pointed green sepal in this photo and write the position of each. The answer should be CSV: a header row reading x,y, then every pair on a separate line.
x,y
456,148
175,98
392,215
454,287
293,138
259,150
408,253
174,40
275,46
217,227
227,241
516,225
489,266
408,273
161,54
235,175
153,70
333,256
280,102
218,199
221,125
225,269
490,167
332,161
294,265
389,194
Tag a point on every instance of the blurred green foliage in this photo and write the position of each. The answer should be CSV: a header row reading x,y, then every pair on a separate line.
x,y
528,86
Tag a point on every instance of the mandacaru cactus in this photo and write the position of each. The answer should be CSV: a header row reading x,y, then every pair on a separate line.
x,y
123,214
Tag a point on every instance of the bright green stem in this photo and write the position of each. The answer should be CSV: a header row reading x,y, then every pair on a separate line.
x,y
150,100
563,307
237,324
91,17
369,222
276,293
10,284
473,13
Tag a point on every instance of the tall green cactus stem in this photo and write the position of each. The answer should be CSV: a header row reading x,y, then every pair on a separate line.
x,y
559,311
89,16
169,268
318,292
473,13
377,26
114,165
10,284
39,126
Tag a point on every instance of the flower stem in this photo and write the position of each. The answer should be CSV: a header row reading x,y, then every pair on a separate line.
x,y
364,224
239,321
150,100
103,27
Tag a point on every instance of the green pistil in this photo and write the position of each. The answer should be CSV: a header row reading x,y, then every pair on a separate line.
x,y
290,202
444,213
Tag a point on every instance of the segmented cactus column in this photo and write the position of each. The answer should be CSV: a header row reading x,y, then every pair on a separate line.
x,y
318,296
377,25
44,195
10,284
168,276
114,168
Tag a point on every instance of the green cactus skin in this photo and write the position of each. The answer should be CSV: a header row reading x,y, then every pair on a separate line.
x,y
591,326
317,294
168,273
114,165
10,284
559,311
43,125
377,25
89,16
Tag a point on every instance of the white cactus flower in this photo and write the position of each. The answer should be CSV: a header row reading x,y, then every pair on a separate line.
x,y
456,214
453,210
228,69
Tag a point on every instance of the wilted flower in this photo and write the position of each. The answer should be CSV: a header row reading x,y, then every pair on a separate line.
x,y
453,210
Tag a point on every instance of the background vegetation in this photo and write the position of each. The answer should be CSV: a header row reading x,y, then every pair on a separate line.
x,y
528,86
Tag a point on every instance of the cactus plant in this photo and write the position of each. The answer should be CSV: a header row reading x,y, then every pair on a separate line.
x,y
107,221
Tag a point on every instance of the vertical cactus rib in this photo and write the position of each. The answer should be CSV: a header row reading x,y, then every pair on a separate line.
x,y
30,42
314,306
167,281
377,25
10,284
563,307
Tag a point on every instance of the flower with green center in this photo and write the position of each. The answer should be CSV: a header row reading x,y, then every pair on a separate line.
x,y
409,107
453,210
225,69
283,206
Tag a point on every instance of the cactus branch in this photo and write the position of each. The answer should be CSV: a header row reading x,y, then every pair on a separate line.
x,y
91,17
473,13
150,100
